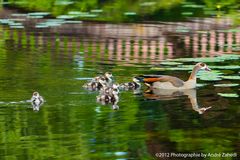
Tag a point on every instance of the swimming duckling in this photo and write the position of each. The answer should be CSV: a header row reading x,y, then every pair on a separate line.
x,y
131,85
109,89
112,98
108,77
36,101
95,85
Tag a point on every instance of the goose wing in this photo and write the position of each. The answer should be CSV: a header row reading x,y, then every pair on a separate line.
x,y
162,78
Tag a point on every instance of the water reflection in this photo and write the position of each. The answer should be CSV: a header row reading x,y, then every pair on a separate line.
x,y
163,94
129,50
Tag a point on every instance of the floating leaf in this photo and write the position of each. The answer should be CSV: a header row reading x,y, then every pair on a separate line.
x,y
147,4
209,59
228,95
170,63
38,14
231,77
63,3
17,27
66,17
19,15
225,67
187,13
130,13
226,85
170,69
209,76
97,10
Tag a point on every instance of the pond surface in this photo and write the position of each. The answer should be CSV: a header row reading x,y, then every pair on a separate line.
x,y
57,61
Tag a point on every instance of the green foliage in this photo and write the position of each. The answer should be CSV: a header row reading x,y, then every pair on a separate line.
x,y
131,11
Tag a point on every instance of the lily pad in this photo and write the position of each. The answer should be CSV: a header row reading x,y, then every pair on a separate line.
x,y
226,85
209,59
225,67
210,76
170,63
231,95
96,10
19,15
66,17
18,27
130,13
170,69
39,14
231,77
198,60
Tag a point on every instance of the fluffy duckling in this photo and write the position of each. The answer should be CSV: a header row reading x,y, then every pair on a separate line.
x,y
108,77
95,85
36,101
112,98
131,85
110,89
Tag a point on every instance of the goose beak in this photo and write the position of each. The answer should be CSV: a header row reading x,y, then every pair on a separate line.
x,y
207,69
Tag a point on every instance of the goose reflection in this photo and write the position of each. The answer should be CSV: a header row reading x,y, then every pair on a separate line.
x,y
161,94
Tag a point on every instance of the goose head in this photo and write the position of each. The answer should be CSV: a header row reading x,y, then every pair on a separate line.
x,y
202,66
199,66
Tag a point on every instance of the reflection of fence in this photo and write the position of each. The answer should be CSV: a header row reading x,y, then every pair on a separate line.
x,y
131,49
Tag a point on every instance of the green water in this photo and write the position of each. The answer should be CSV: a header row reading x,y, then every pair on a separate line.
x,y
72,125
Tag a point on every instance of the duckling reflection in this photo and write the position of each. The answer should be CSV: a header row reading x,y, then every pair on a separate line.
x,y
36,101
161,94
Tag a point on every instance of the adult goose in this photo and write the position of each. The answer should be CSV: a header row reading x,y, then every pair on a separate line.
x,y
170,82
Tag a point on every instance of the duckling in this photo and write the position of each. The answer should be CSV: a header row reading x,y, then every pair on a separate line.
x,y
95,85
108,77
112,98
109,89
131,85
36,101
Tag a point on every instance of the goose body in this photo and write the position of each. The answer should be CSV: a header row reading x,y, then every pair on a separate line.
x,y
170,82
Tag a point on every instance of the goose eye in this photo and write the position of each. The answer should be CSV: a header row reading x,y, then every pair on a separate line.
x,y
202,64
